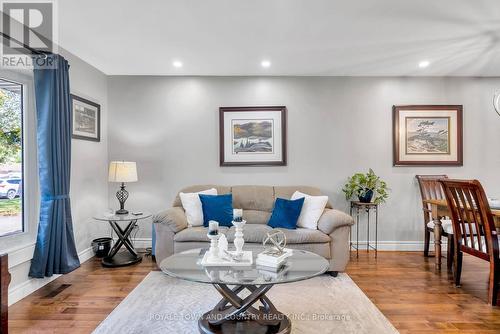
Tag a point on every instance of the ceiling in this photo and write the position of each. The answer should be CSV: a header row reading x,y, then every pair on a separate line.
x,y
298,37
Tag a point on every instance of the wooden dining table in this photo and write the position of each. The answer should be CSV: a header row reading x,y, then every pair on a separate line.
x,y
440,210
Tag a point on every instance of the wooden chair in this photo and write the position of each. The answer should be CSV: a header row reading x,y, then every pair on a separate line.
x,y
4,287
475,231
430,188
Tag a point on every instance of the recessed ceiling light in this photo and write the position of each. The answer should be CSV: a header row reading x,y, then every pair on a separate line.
x,y
265,63
424,63
177,64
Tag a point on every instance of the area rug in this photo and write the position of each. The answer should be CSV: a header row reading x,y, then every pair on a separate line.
x,y
324,304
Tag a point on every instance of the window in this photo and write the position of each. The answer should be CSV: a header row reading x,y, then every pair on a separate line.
x,y
11,158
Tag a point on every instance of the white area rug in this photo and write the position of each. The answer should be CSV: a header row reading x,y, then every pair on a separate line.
x,y
161,304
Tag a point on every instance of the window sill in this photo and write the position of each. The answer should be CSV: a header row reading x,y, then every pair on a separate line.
x,y
19,255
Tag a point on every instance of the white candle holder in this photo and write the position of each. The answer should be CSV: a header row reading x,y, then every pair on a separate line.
x,y
213,252
238,237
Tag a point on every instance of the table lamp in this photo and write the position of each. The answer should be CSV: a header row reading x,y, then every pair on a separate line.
x,y
122,171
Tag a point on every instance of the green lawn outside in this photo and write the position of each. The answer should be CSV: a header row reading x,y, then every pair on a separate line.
x,y
10,207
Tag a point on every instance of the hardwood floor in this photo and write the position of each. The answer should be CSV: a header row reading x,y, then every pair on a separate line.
x,y
79,301
416,299
403,285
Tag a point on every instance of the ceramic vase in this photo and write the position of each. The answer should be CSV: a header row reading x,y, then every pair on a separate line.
x,y
367,198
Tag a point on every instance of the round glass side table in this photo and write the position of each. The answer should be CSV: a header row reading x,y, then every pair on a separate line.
x,y
125,258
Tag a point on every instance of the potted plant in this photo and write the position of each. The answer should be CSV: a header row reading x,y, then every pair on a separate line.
x,y
366,187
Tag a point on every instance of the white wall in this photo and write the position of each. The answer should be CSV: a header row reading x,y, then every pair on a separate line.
x,y
89,160
336,126
89,188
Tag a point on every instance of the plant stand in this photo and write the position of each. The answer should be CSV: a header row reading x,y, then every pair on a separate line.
x,y
357,206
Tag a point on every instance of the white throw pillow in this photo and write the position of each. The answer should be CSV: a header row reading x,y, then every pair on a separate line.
x,y
192,206
312,209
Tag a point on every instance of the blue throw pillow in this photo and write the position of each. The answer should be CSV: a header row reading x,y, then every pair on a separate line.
x,y
218,208
286,213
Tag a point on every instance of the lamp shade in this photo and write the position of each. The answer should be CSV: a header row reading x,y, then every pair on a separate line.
x,y
122,171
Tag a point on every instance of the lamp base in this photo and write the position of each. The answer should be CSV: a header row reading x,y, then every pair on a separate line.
x,y
122,196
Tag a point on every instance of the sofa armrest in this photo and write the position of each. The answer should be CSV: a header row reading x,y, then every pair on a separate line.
x,y
332,219
174,218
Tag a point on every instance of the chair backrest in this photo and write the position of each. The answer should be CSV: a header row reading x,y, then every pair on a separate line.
x,y
473,225
430,188
4,287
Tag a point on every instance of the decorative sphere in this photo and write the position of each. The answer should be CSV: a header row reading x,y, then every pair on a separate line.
x,y
277,241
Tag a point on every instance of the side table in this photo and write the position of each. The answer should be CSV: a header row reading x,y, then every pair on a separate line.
x,y
367,207
120,259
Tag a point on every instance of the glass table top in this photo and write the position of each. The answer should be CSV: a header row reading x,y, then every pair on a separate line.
x,y
299,266
117,218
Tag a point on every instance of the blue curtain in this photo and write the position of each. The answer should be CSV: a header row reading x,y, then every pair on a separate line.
x,y
55,251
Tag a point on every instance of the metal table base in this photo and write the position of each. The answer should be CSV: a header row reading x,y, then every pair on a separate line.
x,y
115,259
234,314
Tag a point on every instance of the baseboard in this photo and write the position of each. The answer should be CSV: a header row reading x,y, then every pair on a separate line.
x,y
142,242
404,246
86,254
32,284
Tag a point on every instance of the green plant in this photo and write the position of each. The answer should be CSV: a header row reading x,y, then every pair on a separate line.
x,y
360,184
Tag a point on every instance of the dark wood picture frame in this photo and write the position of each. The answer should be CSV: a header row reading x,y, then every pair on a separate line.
x,y
98,107
427,108
282,109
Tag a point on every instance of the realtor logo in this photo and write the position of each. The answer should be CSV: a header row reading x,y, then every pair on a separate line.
x,y
30,25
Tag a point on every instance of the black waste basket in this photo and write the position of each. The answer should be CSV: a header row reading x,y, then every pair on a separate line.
x,y
101,246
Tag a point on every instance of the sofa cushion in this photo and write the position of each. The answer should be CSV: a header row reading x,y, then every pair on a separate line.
x,y
251,233
322,249
259,198
196,188
198,233
256,217
257,233
304,236
254,233
267,205
287,192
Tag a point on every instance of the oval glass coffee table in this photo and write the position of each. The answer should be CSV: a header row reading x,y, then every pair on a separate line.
x,y
235,313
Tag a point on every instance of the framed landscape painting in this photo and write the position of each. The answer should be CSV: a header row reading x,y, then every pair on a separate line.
x,y
86,119
252,136
427,135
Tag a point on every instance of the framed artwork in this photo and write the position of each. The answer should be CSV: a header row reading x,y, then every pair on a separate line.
x,y
427,135
86,119
252,136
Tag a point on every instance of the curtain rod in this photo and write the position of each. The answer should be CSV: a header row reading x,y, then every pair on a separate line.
x,y
34,51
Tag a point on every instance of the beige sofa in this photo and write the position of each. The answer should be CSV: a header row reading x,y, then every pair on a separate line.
x,y
331,240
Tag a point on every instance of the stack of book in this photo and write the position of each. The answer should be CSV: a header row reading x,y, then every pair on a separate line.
x,y
271,260
273,273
